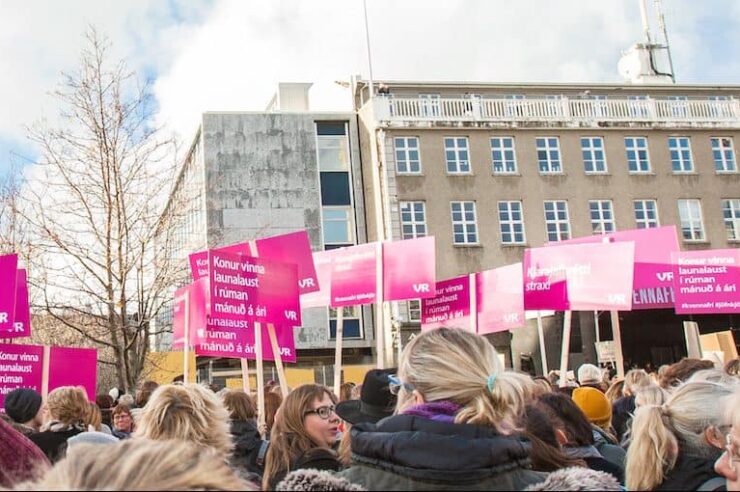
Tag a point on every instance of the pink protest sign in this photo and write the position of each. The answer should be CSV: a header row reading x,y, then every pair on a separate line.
x,y
500,299
256,289
653,278
450,307
199,260
238,343
354,275
199,304
292,248
578,277
321,297
409,269
8,279
22,312
21,366
707,282
73,367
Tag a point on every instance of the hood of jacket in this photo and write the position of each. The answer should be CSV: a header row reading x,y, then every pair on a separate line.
x,y
246,437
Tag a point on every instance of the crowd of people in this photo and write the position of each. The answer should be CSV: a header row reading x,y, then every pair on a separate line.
x,y
450,417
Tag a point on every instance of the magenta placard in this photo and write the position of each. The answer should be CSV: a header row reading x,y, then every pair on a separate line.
x,y
199,305
707,282
238,343
354,275
292,248
22,313
321,297
21,366
8,279
409,269
579,277
450,307
653,277
199,260
500,299
73,367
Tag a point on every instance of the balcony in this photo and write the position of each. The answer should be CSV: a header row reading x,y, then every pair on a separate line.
x,y
570,112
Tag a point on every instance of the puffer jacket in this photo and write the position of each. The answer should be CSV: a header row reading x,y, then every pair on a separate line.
x,y
247,446
408,452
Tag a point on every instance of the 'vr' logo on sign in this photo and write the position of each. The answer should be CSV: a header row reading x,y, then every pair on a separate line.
x,y
306,282
664,276
511,318
291,315
419,288
3,317
617,299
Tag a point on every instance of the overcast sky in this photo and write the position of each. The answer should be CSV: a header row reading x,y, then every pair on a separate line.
x,y
206,55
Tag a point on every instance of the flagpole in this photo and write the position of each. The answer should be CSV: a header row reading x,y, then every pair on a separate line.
x,y
369,54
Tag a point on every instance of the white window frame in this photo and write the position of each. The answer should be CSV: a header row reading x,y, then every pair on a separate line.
x,y
344,146
646,222
509,224
637,148
405,151
732,223
499,144
722,149
639,109
350,313
680,150
469,227
601,222
458,163
350,222
413,223
430,105
591,151
693,218
562,226
679,110
413,308
513,108
547,149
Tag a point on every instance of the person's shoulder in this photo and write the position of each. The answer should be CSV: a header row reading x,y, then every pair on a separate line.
x,y
318,459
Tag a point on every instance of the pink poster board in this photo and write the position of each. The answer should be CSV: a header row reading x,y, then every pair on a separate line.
x,y
74,367
500,299
238,343
322,297
8,279
22,313
199,304
354,275
450,307
707,282
21,366
409,269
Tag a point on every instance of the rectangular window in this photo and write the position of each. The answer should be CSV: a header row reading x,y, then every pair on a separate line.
x,y
408,160
723,152
646,214
692,225
414,307
638,160
515,104
639,106
679,106
594,159
351,329
511,222
503,155
602,216
413,220
720,108
338,225
680,150
333,152
464,223
548,155
731,214
429,104
457,155
557,221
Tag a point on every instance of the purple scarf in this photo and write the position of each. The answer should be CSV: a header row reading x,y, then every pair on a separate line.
x,y
438,411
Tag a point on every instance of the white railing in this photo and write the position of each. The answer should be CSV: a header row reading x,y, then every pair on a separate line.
x,y
557,110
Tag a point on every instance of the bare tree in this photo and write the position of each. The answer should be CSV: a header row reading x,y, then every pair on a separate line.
x,y
94,207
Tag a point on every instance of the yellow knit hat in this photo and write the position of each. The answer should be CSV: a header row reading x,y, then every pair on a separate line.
x,y
594,404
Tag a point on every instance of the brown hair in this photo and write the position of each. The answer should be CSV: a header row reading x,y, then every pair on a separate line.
x,y
240,405
94,417
545,453
733,367
345,391
681,371
565,415
121,408
614,392
272,404
68,405
145,392
289,439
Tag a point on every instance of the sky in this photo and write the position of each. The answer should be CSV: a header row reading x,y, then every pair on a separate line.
x,y
229,55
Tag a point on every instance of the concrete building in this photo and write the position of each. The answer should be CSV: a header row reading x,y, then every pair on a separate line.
x,y
491,169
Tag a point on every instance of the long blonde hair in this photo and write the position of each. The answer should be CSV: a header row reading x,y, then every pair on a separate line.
x,y
634,380
459,366
188,413
661,432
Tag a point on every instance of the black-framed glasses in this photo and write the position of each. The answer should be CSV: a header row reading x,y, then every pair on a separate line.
x,y
395,385
324,412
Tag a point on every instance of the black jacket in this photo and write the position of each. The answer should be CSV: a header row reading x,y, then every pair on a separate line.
x,y
53,444
622,411
690,473
406,452
247,445
313,459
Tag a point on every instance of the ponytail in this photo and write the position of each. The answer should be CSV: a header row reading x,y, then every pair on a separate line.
x,y
653,450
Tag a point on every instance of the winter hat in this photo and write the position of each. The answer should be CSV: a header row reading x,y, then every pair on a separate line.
x,y
91,438
316,480
22,404
577,478
594,404
589,374
376,400
20,459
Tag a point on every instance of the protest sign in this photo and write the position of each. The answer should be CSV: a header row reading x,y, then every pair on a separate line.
x,y
8,280
239,343
707,281
354,275
21,366
73,367
409,269
500,299
322,297
22,312
450,307
198,303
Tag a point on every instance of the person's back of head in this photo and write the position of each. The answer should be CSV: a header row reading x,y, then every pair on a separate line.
x,y
272,405
20,459
568,418
713,376
186,412
595,405
614,392
650,395
589,374
681,371
545,453
144,393
634,380
94,417
25,406
127,400
541,386
68,405
682,425
732,368
240,405
345,391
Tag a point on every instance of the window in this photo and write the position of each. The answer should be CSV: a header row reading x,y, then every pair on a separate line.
x,y
599,106
679,106
646,214
724,155
594,160
464,223
720,108
692,226
503,155
351,329
731,213
548,155
637,154
338,225
414,308
511,222
457,156
602,216
557,222
680,150
333,146
515,104
407,155
639,106
413,220
429,105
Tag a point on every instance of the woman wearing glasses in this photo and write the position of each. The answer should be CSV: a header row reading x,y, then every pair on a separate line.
x,y
305,431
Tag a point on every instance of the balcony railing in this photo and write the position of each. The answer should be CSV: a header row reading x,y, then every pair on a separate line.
x,y
723,112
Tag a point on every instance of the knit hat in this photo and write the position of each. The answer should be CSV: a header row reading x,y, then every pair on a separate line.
x,y
20,459
22,404
594,404
91,438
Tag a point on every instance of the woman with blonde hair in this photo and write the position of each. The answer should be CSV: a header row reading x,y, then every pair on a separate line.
x,y
623,408
674,445
729,464
455,424
69,412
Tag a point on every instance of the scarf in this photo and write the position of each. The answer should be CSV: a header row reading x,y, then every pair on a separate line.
x,y
438,411
56,426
